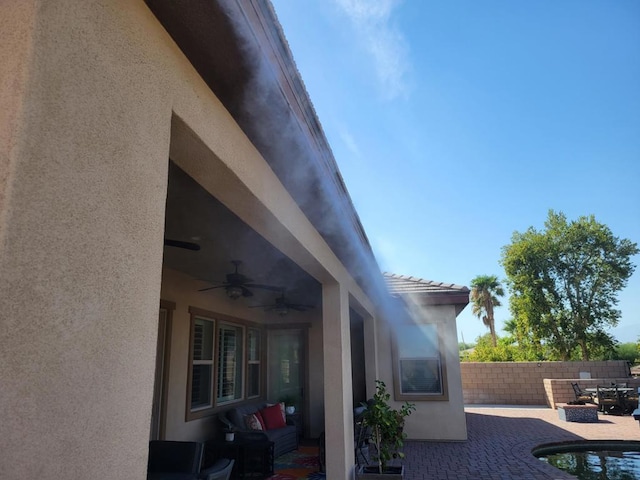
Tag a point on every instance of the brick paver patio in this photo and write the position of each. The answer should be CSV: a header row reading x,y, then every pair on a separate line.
x,y
500,443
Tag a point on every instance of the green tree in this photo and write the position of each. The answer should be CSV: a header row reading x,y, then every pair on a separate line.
x,y
485,290
485,351
529,348
627,351
564,283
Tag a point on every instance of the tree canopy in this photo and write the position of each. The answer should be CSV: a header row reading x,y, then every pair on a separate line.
x,y
564,283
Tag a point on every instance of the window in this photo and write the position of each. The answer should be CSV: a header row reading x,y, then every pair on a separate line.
x,y
225,362
202,364
253,363
419,372
229,363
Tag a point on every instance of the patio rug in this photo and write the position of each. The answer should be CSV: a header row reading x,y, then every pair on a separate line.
x,y
298,465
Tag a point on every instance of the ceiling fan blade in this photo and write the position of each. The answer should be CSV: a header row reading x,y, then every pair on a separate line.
x,y
300,308
211,288
180,244
263,287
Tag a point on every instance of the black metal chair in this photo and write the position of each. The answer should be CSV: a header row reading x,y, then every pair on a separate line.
x,y
581,395
362,434
630,401
609,400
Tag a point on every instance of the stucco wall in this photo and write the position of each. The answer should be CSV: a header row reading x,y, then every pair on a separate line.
x,y
86,138
521,383
82,219
432,420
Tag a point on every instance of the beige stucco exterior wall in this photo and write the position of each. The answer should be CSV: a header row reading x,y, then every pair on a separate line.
x,y
432,420
85,145
85,188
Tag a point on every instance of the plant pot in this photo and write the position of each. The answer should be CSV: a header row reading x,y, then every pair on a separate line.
x,y
370,472
290,410
229,436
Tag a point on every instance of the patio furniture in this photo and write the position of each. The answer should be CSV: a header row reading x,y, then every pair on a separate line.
x,y
221,470
174,460
362,434
581,395
284,434
609,400
252,455
630,401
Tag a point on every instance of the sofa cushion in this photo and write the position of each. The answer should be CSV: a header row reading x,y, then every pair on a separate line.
x,y
272,417
282,409
254,421
236,415
277,433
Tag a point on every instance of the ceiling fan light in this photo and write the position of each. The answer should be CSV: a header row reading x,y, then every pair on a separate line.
x,y
281,310
234,292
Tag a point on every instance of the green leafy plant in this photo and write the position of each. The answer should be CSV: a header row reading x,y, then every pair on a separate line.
x,y
289,400
386,424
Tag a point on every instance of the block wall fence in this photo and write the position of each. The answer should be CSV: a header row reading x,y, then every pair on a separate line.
x,y
523,383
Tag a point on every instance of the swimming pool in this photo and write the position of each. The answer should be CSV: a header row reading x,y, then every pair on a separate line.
x,y
594,460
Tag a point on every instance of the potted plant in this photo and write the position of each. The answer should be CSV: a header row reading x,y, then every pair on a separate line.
x,y
386,435
290,402
229,433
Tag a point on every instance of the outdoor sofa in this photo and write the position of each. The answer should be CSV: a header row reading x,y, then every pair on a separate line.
x,y
281,430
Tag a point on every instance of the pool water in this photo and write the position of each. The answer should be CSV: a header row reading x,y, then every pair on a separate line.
x,y
613,462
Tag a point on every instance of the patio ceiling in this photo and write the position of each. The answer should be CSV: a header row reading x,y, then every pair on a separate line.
x,y
194,215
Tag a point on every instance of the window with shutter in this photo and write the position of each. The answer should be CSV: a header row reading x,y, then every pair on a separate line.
x,y
230,355
202,364
253,363
222,349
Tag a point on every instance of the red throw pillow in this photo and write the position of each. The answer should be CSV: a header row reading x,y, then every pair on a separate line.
x,y
272,417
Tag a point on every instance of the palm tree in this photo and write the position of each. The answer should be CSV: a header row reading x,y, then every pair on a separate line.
x,y
485,290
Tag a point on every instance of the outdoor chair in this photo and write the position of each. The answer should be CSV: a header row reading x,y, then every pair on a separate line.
x,y
221,470
362,434
582,396
174,460
630,401
609,400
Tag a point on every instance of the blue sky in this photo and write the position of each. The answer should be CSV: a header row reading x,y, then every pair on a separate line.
x,y
456,123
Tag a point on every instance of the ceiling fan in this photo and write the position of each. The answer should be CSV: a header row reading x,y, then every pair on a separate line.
x,y
238,285
282,307
180,244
